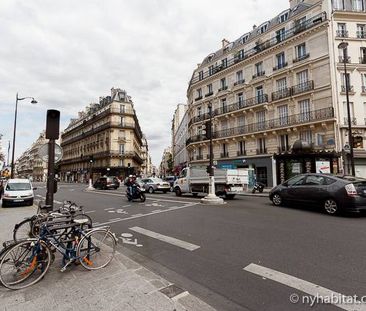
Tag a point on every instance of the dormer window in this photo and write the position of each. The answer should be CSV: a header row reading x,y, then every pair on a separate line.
x,y
263,28
283,17
244,38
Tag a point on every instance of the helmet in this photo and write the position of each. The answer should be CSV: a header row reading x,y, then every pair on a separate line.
x,y
130,176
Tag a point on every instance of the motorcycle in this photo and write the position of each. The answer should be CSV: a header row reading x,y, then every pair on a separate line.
x,y
258,187
137,193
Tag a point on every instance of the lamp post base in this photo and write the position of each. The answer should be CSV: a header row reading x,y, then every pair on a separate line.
x,y
90,187
212,199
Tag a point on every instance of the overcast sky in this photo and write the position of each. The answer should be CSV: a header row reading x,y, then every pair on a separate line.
x,y
68,53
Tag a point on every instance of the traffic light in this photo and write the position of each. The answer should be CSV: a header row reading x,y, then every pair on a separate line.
x,y
207,126
53,124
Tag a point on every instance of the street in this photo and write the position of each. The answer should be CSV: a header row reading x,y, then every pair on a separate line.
x,y
244,255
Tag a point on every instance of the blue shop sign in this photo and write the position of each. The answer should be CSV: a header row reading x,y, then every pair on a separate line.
x,y
226,166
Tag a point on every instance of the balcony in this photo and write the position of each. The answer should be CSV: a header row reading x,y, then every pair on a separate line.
x,y
199,157
342,33
269,125
302,87
361,34
258,74
223,88
241,153
299,58
198,98
343,88
353,121
280,66
281,94
224,155
209,94
347,60
239,82
363,60
308,24
261,151
283,149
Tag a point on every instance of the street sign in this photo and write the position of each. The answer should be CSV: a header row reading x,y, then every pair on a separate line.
x,y
214,162
43,153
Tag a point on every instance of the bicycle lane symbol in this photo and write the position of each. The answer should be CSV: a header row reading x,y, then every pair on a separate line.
x,y
127,239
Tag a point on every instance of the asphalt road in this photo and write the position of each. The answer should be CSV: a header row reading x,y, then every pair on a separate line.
x,y
245,255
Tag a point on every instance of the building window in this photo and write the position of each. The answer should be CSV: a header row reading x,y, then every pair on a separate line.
x,y
209,90
263,28
261,120
223,84
363,78
342,30
283,142
224,63
345,113
304,107
281,84
241,121
283,17
283,114
259,95
241,148
357,5
302,77
239,77
280,35
225,152
320,138
244,39
363,55
223,105
240,99
306,136
122,121
261,144
121,149
122,108
300,51
258,68
199,111
338,4
361,31
241,54
280,61
200,75
346,80
210,70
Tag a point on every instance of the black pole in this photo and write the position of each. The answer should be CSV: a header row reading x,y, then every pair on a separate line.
x,y
211,148
51,174
348,113
14,133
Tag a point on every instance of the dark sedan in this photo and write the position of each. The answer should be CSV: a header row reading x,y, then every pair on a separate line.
x,y
110,182
333,193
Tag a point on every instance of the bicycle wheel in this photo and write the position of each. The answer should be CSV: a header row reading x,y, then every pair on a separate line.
x,y
87,224
96,249
24,264
23,230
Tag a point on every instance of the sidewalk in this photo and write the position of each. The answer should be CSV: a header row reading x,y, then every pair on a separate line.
x,y
123,285
249,193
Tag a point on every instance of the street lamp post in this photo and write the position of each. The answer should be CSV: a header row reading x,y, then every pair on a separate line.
x,y
211,198
90,187
343,46
15,128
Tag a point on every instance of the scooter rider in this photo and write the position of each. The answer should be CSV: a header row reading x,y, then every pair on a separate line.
x,y
130,183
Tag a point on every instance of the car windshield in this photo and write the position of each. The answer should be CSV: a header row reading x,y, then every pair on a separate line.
x,y
18,186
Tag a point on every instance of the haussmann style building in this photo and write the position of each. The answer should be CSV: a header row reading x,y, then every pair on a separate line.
x,y
278,94
106,139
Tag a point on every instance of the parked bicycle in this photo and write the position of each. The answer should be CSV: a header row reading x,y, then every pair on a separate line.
x,y
26,262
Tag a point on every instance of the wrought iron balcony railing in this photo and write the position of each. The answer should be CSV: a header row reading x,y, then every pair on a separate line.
x,y
298,28
281,149
301,57
302,87
280,66
261,151
281,94
342,33
353,121
241,153
361,34
242,81
291,120
343,88
224,154
223,88
209,94
259,74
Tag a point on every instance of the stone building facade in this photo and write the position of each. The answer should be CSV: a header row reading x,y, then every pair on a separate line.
x,y
106,139
273,86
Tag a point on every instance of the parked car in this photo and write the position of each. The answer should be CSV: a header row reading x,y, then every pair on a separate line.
x,y
170,180
153,184
106,182
333,193
18,192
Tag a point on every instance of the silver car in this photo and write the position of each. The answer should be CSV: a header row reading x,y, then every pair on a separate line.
x,y
153,184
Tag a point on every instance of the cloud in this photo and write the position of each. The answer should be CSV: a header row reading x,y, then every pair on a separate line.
x,y
68,53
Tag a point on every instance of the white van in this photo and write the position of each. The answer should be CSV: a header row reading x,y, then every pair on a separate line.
x,y
18,192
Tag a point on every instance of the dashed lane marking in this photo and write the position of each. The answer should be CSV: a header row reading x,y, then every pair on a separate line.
x,y
107,209
147,214
88,212
302,285
58,202
182,244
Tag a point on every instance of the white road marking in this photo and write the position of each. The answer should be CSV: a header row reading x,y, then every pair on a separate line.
x,y
107,209
137,215
88,212
126,205
114,219
156,211
58,202
148,214
302,285
165,238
